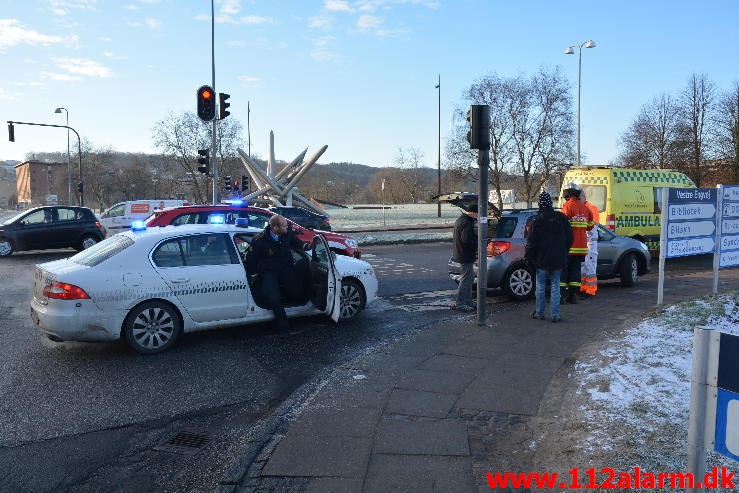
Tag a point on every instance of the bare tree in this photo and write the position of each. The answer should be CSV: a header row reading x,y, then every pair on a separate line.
x,y
696,107
180,137
652,139
413,176
727,130
531,129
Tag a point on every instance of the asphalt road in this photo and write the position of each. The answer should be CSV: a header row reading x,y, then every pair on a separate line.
x,y
93,417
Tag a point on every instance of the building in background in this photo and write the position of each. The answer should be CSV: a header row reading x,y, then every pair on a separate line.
x,y
39,183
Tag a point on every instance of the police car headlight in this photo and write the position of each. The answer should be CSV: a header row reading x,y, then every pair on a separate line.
x,y
350,243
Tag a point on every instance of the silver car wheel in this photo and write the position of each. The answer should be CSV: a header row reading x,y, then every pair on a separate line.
x,y
634,269
5,248
352,300
88,241
521,283
153,328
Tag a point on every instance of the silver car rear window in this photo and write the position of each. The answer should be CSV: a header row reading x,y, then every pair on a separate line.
x,y
102,251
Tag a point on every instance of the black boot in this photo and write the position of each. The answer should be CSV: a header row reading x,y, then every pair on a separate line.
x,y
572,295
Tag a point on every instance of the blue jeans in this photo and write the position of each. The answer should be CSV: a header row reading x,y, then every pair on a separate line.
x,y
541,286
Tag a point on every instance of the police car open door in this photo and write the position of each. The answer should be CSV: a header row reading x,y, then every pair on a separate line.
x,y
325,281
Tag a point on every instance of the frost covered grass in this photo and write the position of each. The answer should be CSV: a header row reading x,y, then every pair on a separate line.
x,y
402,214
637,389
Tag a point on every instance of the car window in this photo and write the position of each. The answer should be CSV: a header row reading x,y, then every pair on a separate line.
x,y
42,216
195,250
506,227
604,234
102,251
596,195
243,240
65,214
191,218
117,210
527,229
256,219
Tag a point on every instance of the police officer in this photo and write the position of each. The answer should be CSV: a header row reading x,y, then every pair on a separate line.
x,y
269,258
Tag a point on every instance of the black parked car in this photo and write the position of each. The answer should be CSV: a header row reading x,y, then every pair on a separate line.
x,y
304,217
43,228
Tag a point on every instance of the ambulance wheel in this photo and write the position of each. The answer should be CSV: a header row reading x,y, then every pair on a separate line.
x,y
629,270
152,327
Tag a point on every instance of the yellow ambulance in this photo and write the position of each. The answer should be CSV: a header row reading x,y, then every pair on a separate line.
x,y
628,199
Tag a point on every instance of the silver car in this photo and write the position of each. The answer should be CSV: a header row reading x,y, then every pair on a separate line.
x,y
618,256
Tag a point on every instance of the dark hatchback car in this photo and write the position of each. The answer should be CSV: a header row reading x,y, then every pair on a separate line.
x,y
44,228
304,217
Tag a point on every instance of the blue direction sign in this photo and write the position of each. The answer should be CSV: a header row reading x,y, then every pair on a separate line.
x,y
727,401
691,221
729,226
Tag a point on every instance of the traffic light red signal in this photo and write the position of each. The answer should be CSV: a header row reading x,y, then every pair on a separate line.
x,y
206,103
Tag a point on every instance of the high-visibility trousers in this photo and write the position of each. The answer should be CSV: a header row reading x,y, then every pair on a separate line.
x,y
589,279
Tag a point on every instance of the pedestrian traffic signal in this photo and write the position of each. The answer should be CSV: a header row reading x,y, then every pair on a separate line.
x,y
227,183
222,105
244,183
80,188
206,103
204,161
11,132
479,134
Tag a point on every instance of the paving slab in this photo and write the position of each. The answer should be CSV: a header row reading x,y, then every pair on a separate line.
x,y
421,437
335,485
420,403
435,381
454,364
418,473
300,455
356,422
519,382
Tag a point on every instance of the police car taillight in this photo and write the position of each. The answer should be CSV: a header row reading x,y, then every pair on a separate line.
x,y
63,291
611,222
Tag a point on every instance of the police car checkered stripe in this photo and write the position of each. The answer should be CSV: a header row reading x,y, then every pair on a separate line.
x,y
199,288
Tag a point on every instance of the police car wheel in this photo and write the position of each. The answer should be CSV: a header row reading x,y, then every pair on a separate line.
x,y
352,300
6,248
629,270
152,327
518,283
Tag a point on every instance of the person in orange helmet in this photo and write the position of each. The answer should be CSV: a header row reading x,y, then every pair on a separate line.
x,y
581,220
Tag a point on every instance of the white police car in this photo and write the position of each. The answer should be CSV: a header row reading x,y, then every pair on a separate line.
x,y
149,286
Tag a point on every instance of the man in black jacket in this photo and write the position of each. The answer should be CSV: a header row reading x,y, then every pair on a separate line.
x,y
546,251
464,251
269,258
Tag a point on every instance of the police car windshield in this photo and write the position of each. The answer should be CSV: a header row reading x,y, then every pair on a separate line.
x,y
102,251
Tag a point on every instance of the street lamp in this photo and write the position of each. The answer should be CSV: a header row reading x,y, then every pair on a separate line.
x,y
438,161
69,165
571,51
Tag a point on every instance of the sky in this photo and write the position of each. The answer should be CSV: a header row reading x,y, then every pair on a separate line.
x,y
356,75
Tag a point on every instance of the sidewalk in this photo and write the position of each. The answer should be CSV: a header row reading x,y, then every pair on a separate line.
x,y
432,413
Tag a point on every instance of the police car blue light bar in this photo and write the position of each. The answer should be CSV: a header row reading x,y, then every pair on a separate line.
x,y
138,226
235,202
217,219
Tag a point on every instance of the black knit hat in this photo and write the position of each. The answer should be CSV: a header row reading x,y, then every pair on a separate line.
x,y
545,200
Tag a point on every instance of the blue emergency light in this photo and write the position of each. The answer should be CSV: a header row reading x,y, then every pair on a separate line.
x,y
217,219
138,226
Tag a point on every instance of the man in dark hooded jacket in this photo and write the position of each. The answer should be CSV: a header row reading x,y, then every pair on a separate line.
x,y
548,243
464,251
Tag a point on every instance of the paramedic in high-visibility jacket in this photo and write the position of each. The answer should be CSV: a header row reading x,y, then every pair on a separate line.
x,y
590,265
581,220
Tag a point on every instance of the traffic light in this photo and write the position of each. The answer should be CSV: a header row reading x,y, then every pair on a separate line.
x,y
244,183
204,161
479,134
80,188
222,105
206,103
235,186
11,132
227,183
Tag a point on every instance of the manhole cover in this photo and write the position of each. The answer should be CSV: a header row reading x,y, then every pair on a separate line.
x,y
185,442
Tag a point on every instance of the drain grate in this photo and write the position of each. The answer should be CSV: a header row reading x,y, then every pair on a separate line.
x,y
185,442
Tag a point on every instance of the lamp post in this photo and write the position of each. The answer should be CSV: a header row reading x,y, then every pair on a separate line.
x,y
571,51
438,160
155,188
69,165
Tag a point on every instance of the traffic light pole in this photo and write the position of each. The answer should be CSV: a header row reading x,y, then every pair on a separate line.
x,y
79,149
214,156
483,160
